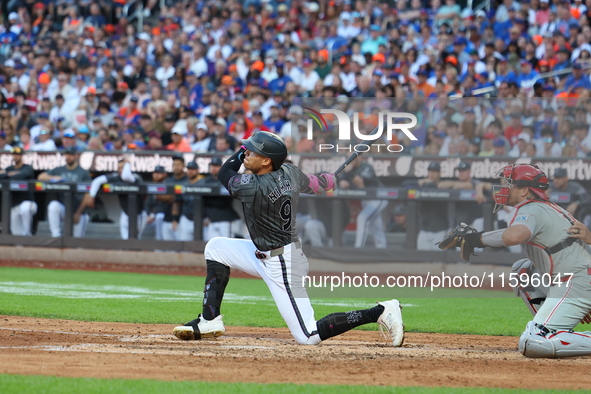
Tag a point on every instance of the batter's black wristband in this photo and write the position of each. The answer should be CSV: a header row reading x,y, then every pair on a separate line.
x,y
474,239
230,168
176,218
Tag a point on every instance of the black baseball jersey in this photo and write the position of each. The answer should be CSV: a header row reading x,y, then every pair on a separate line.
x,y
434,216
154,206
468,211
124,198
77,174
577,193
217,208
168,205
186,200
22,173
366,172
270,204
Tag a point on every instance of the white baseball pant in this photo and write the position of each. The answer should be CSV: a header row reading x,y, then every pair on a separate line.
x,y
216,229
426,240
567,303
313,232
283,274
239,228
124,224
369,220
168,234
157,223
186,229
21,218
56,212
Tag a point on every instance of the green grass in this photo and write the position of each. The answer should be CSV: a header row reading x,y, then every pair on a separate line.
x,y
147,298
51,384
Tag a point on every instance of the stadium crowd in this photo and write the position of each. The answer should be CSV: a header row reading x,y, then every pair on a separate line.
x,y
202,75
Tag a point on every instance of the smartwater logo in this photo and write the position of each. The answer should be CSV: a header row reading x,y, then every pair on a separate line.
x,y
388,122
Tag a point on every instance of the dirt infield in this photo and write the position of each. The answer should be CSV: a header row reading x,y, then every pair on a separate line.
x,y
268,355
121,350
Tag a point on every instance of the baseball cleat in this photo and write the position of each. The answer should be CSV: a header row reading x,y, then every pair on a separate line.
x,y
391,321
200,328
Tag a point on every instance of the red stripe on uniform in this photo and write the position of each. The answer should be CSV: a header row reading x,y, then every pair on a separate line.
x,y
517,210
550,204
574,333
549,256
570,286
558,209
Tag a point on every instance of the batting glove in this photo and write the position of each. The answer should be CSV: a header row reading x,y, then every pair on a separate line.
x,y
327,181
242,151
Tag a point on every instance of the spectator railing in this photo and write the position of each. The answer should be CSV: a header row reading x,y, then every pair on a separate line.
x,y
335,44
138,6
412,197
481,5
569,70
552,74
487,92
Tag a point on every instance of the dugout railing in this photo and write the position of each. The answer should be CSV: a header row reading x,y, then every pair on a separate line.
x,y
338,252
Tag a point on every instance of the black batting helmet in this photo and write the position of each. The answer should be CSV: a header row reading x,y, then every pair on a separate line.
x,y
268,145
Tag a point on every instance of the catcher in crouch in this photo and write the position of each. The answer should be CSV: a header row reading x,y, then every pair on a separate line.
x,y
544,230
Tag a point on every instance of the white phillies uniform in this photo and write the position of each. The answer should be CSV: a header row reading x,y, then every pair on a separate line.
x,y
567,301
567,263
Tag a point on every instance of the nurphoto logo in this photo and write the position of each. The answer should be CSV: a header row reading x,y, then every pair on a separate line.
x,y
388,123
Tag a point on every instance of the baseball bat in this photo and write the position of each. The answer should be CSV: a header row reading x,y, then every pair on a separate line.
x,y
355,155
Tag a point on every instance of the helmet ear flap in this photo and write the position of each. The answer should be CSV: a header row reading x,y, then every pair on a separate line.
x,y
270,161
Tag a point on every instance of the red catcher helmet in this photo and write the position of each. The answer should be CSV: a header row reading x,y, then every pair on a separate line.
x,y
523,175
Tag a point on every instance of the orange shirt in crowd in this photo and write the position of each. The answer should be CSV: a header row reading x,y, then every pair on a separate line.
x,y
426,88
128,114
183,146
249,127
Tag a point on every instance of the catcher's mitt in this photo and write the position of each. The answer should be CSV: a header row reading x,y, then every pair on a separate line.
x,y
457,238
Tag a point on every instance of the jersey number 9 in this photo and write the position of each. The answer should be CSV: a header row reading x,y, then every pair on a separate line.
x,y
285,212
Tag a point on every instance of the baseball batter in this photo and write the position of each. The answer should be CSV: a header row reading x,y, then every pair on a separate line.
x,y
269,199
23,204
542,228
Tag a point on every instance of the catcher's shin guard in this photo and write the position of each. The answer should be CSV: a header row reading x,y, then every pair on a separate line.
x,y
538,342
216,281
533,297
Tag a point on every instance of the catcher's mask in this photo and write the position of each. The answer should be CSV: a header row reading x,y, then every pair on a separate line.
x,y
523,175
